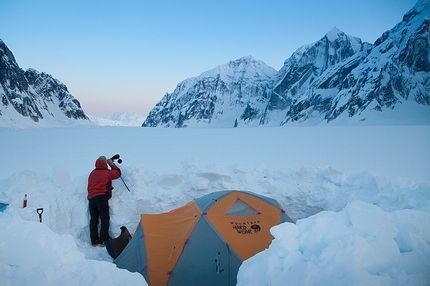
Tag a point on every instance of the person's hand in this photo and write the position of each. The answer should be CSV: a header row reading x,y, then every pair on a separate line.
x,y
110,162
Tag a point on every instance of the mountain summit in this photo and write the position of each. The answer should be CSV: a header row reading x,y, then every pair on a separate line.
x,y
338,79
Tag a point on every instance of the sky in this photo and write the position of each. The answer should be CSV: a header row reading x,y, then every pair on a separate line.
x,y
116,56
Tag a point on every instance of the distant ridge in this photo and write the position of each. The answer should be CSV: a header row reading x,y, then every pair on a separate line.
x,y
126,118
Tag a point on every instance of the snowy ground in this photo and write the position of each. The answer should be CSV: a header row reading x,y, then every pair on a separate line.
x,y
360,195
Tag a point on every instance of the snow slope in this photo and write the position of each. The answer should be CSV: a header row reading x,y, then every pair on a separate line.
x,y
360,196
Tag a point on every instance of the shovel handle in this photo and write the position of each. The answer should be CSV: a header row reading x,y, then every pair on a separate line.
x,y
40,212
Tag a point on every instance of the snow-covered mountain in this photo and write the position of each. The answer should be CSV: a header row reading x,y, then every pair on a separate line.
x,y
230,93
338,80
34,99
126,118
299,73
395,71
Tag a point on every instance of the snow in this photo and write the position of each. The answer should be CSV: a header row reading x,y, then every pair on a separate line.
x,y
52,117
360,197
359,245
126,118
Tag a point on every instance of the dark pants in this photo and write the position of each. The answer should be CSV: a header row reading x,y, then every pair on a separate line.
x,y
99,208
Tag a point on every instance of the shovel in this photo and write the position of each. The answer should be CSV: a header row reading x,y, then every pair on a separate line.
x,y
40,212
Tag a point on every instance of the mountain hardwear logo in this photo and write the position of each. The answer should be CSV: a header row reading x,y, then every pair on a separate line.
x,y
246,227
256,227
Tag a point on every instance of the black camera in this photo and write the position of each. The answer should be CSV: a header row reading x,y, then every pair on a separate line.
x,y
116,157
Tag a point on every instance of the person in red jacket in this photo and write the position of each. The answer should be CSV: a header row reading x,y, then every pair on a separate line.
x,y
99,192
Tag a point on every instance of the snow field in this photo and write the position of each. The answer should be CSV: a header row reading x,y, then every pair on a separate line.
x,y
360,196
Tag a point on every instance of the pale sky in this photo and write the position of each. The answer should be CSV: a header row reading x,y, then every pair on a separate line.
x,y
125,55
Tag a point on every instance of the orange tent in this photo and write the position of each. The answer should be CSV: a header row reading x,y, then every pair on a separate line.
x,y
203,242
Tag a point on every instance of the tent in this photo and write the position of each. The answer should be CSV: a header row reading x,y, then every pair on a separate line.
x,y
203,242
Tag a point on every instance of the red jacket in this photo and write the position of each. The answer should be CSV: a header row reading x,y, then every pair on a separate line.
x,y
100,180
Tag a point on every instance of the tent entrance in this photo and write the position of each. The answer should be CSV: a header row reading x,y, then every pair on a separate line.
x,y
240,208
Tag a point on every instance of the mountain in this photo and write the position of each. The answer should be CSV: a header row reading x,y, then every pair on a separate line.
x,y
126,118
338,80
393,72
231,93
34,99
306,66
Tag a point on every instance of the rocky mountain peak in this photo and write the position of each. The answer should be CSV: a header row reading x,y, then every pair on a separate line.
x,y
32,95
230,90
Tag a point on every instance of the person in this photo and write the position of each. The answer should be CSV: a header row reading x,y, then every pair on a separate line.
x,y
99,192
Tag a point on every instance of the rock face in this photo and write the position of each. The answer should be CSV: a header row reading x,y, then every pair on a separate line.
x,y
336,77
33,95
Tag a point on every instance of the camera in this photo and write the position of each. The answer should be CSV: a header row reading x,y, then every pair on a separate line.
x,y
116,157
